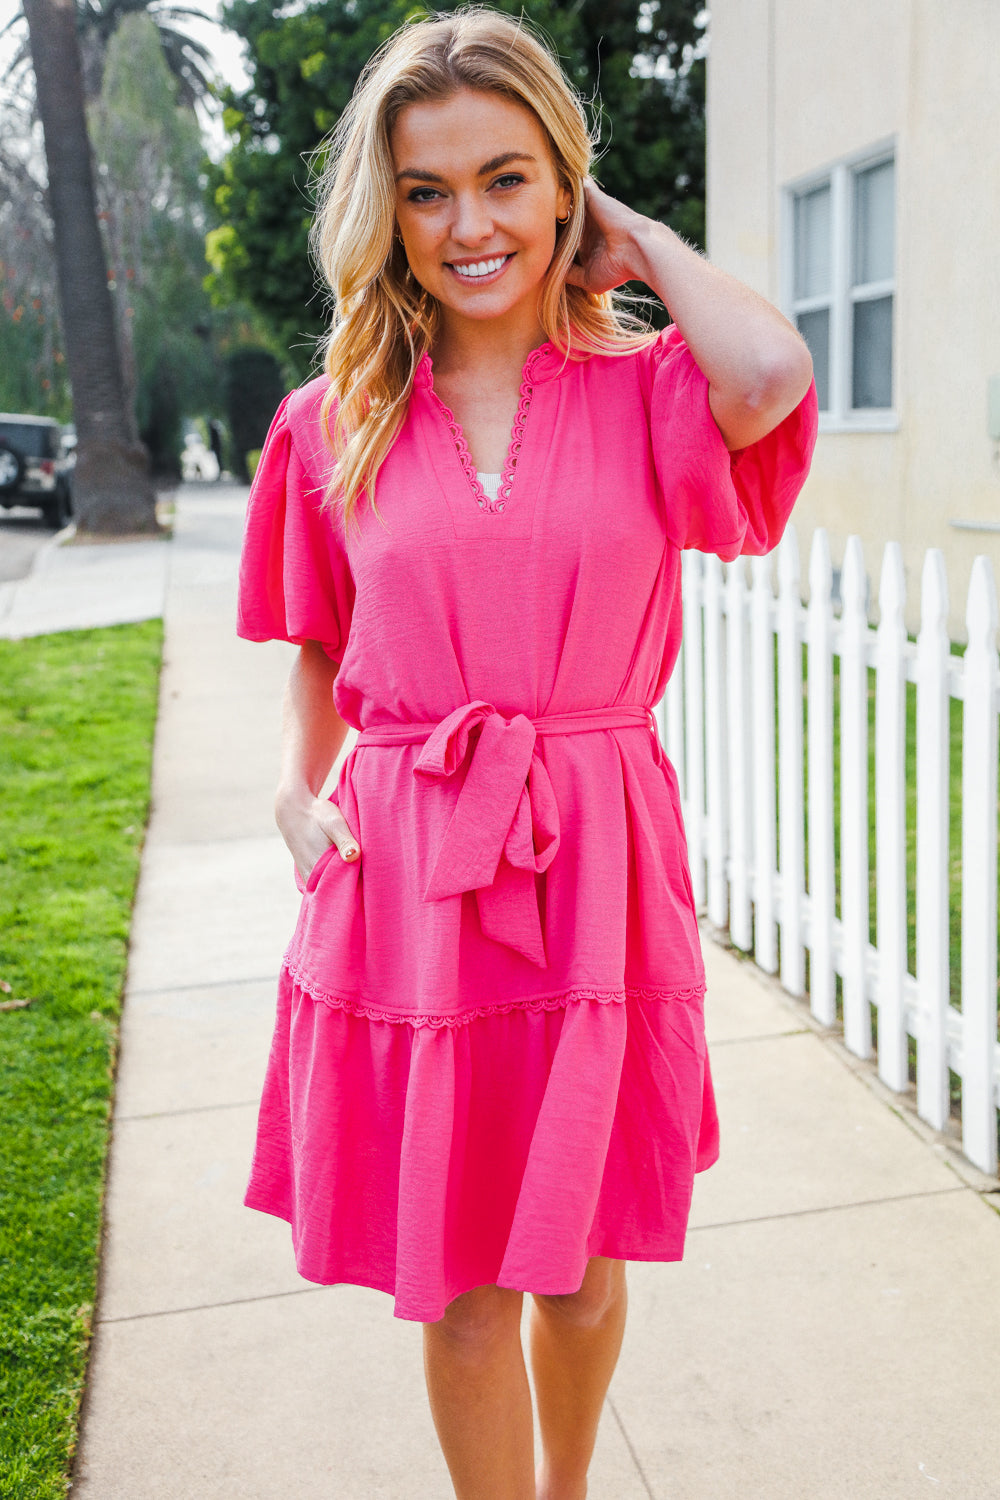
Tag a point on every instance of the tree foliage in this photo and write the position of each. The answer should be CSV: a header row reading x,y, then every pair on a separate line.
x,y
33,374
188,60
97,21
253,388
149,183
636,62
150,194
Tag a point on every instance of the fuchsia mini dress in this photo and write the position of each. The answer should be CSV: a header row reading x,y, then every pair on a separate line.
x,y
489,1058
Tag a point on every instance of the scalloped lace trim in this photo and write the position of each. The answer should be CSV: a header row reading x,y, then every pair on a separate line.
x,y
516,442
483,500
558,1001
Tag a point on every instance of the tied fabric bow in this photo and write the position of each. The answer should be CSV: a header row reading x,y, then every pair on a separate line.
x,y
504,827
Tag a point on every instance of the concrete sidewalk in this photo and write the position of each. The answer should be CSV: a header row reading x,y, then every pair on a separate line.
x,y
832,1332
86,585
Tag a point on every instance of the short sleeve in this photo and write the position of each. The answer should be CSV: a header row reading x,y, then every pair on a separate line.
x,y
718,501
295,582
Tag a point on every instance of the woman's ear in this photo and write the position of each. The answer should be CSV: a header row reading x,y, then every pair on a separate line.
x,y
564,204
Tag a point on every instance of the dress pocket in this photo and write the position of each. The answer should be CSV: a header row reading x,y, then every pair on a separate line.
x,y
314,874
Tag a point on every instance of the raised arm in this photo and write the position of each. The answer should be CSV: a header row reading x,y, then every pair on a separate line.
x,y
757,365
311,737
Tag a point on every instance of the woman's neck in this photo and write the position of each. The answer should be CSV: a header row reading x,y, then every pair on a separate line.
x,y
482,350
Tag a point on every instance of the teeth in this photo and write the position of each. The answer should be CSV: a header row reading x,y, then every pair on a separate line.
x,y
481,268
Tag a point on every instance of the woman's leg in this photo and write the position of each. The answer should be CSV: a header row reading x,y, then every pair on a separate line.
x,y
479,1395
575,1343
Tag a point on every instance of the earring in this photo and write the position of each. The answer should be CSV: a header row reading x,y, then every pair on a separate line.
x,y
567,217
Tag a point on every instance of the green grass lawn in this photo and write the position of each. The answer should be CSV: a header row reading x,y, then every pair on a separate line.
x,y
77,712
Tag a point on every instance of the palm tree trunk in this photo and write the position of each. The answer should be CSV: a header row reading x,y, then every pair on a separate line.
x,y
112,488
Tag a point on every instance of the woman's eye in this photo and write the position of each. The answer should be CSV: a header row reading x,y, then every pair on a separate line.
x,y
509,179
422,195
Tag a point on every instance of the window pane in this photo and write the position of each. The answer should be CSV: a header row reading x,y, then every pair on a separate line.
x,y
872,374
874,223
812,243
29,438
815,329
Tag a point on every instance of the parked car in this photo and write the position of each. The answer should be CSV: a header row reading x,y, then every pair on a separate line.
x,y
36,466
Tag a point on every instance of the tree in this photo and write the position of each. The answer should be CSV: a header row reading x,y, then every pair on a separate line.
x,y
35,378
253,388
113,491
188,60
98,21
150,194
33,368
640,59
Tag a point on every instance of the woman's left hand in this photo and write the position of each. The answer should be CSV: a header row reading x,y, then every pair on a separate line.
x,y
607,250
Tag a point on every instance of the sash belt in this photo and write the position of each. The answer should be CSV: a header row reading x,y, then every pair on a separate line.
x,y
505,824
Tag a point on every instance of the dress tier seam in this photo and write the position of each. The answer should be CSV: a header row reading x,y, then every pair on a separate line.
x,y
558,1000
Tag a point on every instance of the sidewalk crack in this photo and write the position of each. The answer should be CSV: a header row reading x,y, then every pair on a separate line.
x,y
190,1109
829,1208
174,1312
628,1443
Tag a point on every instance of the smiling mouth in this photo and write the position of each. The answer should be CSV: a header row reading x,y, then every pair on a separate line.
x,y
480,270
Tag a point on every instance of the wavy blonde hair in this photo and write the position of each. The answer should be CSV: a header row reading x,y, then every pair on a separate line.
x,y
384,321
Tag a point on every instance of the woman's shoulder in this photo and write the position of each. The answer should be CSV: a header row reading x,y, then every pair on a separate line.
x,y
623,379
644,351
304,415
305,403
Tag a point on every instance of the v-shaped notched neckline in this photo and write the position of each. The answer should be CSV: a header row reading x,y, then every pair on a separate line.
x,y
541,364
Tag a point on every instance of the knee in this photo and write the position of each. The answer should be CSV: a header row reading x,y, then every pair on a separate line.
x,y
478,1320
588,1308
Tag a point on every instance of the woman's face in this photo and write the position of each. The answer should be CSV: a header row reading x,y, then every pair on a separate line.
x,y
477,198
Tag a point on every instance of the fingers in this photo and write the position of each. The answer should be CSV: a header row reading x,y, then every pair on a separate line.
x,y
334,825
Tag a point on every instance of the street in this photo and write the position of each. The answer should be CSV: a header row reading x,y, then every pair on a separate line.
x,y
22,532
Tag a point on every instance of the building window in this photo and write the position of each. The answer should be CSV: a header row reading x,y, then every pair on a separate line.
x,y
841,286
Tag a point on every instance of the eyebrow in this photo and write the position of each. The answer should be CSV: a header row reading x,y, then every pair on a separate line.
x,y
493,165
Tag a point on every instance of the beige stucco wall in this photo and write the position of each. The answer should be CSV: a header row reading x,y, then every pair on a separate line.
x,y
793,87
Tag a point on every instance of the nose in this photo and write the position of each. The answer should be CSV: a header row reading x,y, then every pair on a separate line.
x,y
473,221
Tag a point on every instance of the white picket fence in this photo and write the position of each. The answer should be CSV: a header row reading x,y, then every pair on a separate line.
x,y
752,826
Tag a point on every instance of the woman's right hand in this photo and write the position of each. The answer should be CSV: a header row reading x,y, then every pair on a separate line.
x,y
309,827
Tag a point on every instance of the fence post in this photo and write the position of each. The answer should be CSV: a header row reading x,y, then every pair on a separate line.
x,y
933,738
819,676
791,842
854,894
715,739
764,816
694,721
890,819
979,873
738,747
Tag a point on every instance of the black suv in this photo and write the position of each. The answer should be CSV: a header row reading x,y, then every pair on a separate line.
x,y
35,466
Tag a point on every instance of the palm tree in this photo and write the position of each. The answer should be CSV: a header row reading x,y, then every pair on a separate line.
x,y
113,491
189,60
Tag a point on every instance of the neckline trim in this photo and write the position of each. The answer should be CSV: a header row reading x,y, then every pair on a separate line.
x,y
543,363
497,503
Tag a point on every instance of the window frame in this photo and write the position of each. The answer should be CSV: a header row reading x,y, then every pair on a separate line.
x,y
839,176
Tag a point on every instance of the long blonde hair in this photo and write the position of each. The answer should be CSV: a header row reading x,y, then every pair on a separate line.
x,y
384,321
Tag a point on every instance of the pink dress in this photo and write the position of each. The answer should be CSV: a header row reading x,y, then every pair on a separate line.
x,y
489,1057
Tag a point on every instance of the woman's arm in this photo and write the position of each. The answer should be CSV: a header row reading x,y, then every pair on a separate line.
x,y
311,737
757,365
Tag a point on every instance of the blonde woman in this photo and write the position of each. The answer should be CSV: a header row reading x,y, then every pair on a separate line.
x,y
488,1074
